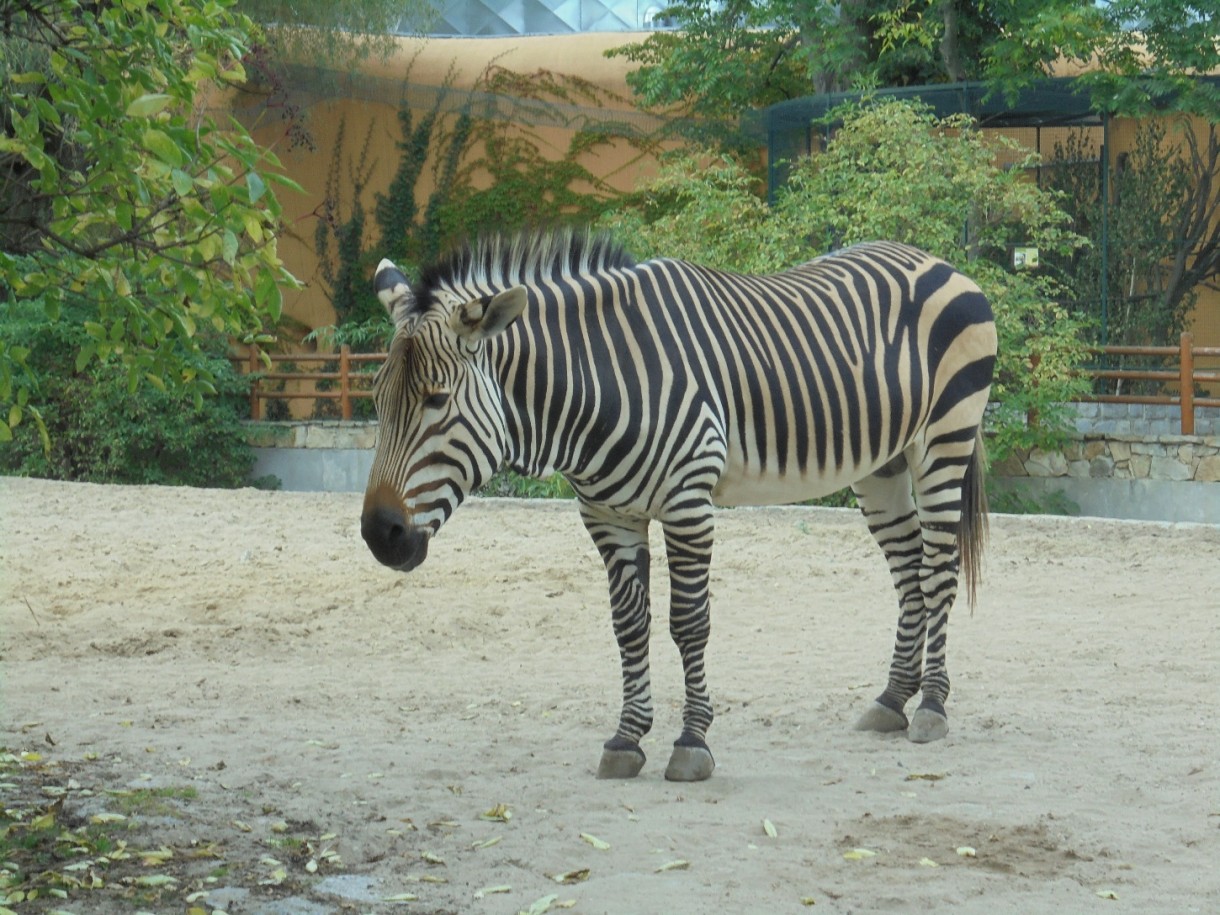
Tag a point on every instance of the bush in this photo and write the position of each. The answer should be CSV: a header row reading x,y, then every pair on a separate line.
x,y
101,431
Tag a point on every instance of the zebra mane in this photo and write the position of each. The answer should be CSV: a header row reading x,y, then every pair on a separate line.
x,y
501,261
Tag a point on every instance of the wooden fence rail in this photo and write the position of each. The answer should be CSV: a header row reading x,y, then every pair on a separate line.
x,y
351,377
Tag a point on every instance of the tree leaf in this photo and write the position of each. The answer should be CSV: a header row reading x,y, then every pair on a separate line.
x,y
161,145
148,105
256,186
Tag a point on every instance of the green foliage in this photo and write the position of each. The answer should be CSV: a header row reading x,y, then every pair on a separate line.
x,y
1010,497
486,175
410,236
339,233
1142,228
101,431
513,178
116,189
706,209
509,483
893,171
726,57
1142,55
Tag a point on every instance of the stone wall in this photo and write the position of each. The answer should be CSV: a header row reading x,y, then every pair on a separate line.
x,y
1152,477
1097,456
1142,419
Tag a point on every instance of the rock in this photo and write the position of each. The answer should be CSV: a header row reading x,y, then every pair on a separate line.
x,y
1208,470
1167,468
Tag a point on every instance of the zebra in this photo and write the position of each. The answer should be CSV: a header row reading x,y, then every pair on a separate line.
x,y
661,389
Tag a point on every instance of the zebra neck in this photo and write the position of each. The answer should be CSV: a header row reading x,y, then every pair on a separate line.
x,y
549,411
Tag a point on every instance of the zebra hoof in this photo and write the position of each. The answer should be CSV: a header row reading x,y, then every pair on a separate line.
x,y
620,759
927,725
881,718
690,762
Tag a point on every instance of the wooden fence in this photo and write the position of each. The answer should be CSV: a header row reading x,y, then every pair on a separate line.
x,y
351,377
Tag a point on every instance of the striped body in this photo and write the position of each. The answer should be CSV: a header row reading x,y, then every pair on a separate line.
x,y
662,388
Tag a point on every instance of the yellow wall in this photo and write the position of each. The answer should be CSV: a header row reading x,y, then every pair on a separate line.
x,y
430,63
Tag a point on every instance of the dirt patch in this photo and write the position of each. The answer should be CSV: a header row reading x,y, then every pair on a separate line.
x,y
305,731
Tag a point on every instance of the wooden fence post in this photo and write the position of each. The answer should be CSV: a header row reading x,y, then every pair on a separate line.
x,y
1187,383
345,400
255,402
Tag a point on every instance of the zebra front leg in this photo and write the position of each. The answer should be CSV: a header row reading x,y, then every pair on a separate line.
x,y
688,545
623,544
889,508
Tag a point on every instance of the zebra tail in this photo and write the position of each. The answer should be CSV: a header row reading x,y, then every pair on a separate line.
x,y
972,530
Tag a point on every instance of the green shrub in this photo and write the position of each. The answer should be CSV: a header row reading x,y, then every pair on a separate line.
x,y
100,430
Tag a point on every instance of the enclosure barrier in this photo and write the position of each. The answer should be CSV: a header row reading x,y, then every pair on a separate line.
x,y
1186,377
351,379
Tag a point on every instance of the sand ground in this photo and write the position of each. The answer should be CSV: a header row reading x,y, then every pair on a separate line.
x,y
246,646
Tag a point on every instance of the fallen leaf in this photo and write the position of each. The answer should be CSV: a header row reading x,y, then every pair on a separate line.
x,y
540,906
578,876
432,858
966,851
808,900
679,865
500,813
769,828
100,819
928,862
1107,894
597,843
492,890
157,857
925,777
859,854
486,843
400,897
155,880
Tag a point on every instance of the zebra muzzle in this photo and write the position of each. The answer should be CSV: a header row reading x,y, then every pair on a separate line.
x,y
393,541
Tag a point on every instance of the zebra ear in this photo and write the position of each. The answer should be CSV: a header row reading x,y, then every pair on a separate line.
x,y
394,292
488,316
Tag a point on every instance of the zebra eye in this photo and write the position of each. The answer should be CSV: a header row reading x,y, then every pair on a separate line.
x,y
436,400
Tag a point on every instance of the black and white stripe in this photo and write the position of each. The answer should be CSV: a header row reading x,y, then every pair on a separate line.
x,y
663,388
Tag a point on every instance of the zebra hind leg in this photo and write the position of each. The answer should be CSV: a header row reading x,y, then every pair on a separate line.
x,y
889,508
953,514
623,545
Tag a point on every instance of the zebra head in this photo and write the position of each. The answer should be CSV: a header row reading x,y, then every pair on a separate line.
x,y
442,429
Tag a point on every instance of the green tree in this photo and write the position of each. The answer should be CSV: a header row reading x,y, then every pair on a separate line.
x,y
726,57
119,191
893,170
